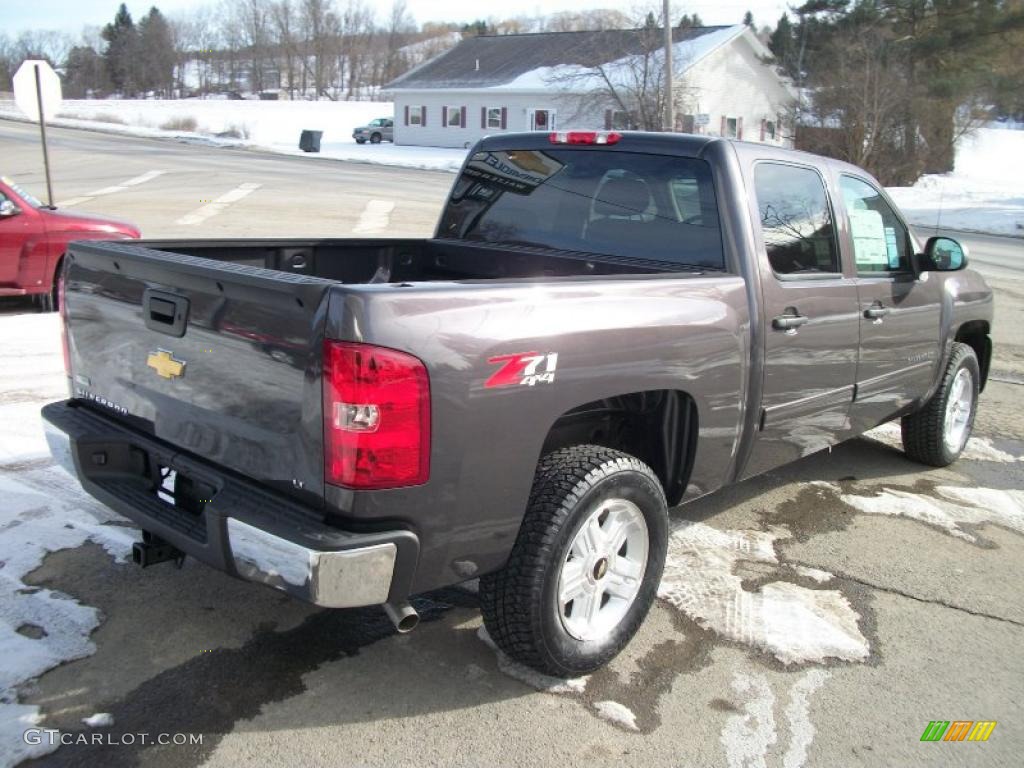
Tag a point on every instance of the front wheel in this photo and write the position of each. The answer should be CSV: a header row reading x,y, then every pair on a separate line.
x,y
586,565
938,433
360,141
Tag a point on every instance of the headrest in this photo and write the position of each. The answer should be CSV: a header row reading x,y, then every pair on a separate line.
x,y
623,197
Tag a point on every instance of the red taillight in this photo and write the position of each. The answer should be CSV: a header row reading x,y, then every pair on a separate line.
x,y
585,137
376,417
62,308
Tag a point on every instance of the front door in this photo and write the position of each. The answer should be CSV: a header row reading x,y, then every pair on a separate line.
x,y
542,119
900,314
14,232
810,319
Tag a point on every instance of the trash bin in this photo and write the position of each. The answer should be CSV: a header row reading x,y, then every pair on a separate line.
x,y
309,141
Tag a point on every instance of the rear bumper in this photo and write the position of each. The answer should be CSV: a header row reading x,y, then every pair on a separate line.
x,y
243,530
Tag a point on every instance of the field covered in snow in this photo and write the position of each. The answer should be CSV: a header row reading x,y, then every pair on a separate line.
x,y
268,125
984,193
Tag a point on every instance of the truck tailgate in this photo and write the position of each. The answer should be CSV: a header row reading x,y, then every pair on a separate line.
x,y
217,359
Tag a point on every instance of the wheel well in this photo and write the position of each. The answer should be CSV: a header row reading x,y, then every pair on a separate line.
x,y
659,427
975,335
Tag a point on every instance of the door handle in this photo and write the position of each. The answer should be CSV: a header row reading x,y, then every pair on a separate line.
x,y
876,312
788,322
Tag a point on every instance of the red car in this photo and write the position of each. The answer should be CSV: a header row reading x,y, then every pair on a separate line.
x,y
33,239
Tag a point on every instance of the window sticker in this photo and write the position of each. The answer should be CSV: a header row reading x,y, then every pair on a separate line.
x,y
891,247
870,242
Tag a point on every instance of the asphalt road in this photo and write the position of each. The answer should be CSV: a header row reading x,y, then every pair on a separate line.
x,y
269,681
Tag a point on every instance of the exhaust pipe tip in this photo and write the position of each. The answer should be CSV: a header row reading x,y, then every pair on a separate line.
x,y
402,615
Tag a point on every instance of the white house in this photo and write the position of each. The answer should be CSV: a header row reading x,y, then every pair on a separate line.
x,y
546,81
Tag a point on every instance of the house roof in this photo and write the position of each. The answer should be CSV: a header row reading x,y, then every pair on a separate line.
x,y
526,61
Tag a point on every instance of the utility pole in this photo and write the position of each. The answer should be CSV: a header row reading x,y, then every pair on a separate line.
x,y
669,117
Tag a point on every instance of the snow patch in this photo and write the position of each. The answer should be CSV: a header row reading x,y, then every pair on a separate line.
x,y
793,623
747,736
816,574
15,719
955,506
99,720
798,713
616,713
532,677
977,448
43,511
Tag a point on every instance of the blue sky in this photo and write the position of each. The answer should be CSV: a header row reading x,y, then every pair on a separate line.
x,y
72,15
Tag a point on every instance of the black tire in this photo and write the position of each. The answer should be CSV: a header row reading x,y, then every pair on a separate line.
x,y
519,603
924,431
375,138
360,141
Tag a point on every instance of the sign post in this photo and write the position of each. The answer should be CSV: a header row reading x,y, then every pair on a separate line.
x,y
37,93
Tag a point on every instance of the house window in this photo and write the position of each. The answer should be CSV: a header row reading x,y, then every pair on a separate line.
x,y
769,130
494,117
731,128
453,117
415,115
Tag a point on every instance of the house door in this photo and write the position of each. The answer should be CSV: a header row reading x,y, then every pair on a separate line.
x,y
542,119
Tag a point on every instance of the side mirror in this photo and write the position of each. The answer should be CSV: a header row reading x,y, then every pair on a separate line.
x,y
942,254
7,209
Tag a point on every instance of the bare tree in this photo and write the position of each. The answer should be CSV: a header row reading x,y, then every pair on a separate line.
x,y
285,33
253,20
357,31
623,72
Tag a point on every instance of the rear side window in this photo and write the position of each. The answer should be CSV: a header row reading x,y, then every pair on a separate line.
x,y
796,220
618,204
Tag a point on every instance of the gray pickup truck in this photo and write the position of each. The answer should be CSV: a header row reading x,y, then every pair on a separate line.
x,y
603,326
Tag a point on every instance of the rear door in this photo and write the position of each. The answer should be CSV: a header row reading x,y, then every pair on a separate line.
x,y
810,314
900,314
220,362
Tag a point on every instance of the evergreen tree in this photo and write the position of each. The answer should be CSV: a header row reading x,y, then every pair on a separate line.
x,y
783,45
748,19
122,51
156,67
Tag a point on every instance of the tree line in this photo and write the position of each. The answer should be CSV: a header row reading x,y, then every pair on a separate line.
x,y
890,85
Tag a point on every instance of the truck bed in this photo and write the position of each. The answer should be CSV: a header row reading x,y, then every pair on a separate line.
x,y
353,261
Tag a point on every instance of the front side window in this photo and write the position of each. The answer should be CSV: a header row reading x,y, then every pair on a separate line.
x,y
454,115
617,204
881,243
796,220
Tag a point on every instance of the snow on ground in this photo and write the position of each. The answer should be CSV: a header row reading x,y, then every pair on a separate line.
x,y
984,193
953,508
532,677
99,720
617,713
977,448
268,125
793,623
41,512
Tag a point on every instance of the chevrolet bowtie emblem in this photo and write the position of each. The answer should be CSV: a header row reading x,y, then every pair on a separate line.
x,y
165,365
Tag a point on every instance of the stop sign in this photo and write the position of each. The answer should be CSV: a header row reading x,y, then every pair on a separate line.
x,y
25,88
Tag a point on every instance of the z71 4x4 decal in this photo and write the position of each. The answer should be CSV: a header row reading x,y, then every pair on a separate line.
x,y
525,368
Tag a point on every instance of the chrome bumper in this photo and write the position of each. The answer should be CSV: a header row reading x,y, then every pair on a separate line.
x,y
347,578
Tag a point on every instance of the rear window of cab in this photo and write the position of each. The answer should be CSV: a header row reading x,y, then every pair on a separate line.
x,y
619,204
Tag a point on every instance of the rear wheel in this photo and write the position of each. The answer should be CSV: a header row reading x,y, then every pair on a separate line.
x,y
375,138
938,433
586,565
